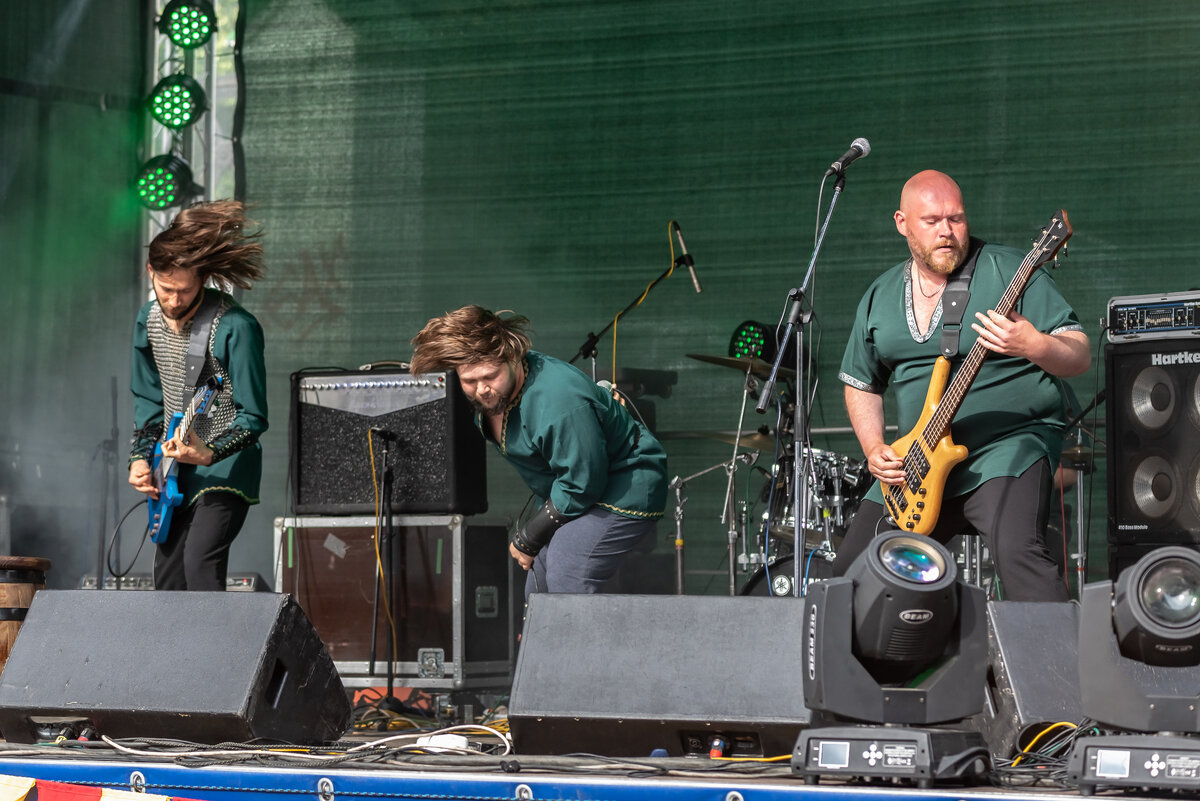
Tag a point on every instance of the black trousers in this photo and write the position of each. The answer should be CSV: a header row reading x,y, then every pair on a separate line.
x,y
1009,513
195,555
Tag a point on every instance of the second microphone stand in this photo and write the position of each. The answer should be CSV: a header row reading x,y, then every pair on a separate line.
x,y
797,320
588,349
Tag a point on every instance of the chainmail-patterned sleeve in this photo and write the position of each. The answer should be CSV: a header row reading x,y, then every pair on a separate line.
x,y
230,441
141,445
237,344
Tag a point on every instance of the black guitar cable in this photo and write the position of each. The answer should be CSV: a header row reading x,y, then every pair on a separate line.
x,y
112,540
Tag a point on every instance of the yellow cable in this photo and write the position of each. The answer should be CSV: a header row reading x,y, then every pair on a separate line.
x,y
1025,751
383,584
638,302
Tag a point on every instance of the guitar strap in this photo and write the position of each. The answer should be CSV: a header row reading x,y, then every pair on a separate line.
x,y
197,353
954,300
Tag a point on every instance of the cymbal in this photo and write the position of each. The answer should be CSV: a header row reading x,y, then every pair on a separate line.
x,y
755,440
1077,455
757,367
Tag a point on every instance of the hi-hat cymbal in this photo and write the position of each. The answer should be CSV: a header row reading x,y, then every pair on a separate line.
x,y
1077,456
757,367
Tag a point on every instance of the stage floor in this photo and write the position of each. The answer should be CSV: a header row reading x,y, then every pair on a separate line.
x,y
385,769
468,778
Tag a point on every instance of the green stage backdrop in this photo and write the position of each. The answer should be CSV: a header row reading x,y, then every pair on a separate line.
x,y
406,158
411,157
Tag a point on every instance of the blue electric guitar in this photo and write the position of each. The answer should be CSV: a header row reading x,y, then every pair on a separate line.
x,y
165,468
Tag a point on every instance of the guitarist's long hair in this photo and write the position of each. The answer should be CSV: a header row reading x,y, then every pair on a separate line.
x,y
470,335
212,239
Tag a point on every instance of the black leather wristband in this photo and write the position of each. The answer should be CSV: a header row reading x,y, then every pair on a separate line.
x,y
538,530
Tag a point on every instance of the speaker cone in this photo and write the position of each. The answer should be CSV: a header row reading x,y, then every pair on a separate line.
x,y
1194,401
1155,487
1152,398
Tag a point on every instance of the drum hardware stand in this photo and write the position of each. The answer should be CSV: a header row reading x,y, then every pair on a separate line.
x,y
678,484
797,320
748,561
970,549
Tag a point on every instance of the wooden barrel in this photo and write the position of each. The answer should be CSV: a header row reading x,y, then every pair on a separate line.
x,y
20,578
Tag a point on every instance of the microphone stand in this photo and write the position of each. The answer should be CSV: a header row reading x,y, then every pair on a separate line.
x,y
385,566
798,319
108,487
588,349
1083,467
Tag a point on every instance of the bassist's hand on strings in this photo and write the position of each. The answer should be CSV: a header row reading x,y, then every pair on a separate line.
x,y
885,465
1011,336
141,478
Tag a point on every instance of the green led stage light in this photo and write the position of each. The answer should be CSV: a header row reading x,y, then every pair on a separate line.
x,y
752,339
188,23
165,181
177,101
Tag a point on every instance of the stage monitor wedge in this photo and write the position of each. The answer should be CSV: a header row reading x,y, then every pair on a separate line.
x,y
622,675
204,667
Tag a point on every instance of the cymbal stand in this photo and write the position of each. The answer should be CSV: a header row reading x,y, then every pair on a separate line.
x,y
798,319
678,485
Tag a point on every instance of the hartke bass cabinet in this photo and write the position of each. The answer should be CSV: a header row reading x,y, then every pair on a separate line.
x,y
342,422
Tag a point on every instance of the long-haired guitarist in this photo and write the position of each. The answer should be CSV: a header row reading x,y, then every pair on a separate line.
x,y
1011,418
218,458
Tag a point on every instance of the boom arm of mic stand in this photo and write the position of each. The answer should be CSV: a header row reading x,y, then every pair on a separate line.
x,y
589,345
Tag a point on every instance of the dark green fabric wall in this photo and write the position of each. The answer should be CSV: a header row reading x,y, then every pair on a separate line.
x,y
410,157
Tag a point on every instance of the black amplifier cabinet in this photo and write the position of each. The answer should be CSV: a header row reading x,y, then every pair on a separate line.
x,y
342,422
1153,416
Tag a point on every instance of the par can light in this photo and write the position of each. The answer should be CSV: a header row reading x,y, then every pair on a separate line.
x,y
165,181
752,339
177,101
188,23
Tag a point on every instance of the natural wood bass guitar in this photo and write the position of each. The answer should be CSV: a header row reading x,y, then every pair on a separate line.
x,y
927,450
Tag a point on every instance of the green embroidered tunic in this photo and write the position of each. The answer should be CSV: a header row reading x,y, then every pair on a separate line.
x,y
573,444
1013,414
239,410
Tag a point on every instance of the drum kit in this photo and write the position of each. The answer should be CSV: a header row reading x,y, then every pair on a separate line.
x,y
807,518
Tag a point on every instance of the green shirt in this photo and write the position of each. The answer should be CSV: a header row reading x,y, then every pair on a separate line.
x,y
236,345
1013,414
573,444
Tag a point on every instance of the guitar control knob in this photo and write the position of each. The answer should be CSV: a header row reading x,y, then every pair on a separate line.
x,y
916,517
910,525
921,492
920,504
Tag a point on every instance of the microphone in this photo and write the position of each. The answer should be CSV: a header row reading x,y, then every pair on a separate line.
x,y
859,148
684,258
